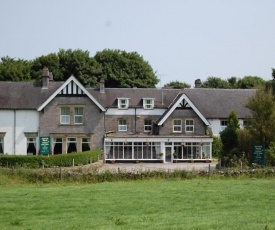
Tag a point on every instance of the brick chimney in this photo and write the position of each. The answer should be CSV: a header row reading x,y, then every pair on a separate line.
x,y
51,76
198,83
102,86
45,78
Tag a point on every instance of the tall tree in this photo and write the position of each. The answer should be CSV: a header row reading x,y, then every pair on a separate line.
x,y
262,106
229,135
232,82
124,70
176,85
69,62
51,61
229,138
215,82
14,69
250,82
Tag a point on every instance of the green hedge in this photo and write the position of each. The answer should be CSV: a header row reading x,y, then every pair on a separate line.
x,y
62,160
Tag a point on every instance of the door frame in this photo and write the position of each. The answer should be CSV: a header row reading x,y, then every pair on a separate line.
x,y
170,159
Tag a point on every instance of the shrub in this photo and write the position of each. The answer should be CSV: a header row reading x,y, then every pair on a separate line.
x,y
62,160
216,146
270,155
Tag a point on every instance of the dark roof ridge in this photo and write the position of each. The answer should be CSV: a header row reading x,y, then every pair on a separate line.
x,y
215,89
137,89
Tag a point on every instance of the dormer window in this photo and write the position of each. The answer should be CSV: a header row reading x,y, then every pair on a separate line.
x,y
123,103
148,103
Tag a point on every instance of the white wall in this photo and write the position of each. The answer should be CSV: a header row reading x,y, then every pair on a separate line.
x,y
215,126
148,112
15,123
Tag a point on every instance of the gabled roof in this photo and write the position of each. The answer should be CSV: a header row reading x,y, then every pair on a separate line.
x,y
162,97
71,86
210,103
25,95
219,103
175,104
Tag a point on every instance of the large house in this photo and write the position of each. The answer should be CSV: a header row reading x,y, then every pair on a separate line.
x,y
129,124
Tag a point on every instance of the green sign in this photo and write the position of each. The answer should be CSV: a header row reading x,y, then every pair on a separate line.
x,y
45,145
258,154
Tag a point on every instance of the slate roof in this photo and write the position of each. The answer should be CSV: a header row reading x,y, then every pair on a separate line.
x,y
212,103
163,97
25,95
219,103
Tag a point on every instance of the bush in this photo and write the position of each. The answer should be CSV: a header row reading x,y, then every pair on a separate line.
x,y
270,155
62,160
216,146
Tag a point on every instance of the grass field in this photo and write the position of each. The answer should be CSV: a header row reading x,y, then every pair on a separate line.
x,y
161,204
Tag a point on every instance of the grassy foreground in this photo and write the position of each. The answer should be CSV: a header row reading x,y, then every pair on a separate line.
x,y
161,204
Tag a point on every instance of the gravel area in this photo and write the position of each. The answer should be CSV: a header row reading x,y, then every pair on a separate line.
x,y
156,166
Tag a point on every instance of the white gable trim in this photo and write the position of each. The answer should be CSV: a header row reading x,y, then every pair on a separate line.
x,y
68,81
171,110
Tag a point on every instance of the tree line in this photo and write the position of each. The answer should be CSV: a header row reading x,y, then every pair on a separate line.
x,y
247,82
119,69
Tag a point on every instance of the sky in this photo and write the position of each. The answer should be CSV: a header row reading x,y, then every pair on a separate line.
x,y
183,40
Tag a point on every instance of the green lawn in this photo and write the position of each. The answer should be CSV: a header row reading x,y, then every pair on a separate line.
x,y
176,204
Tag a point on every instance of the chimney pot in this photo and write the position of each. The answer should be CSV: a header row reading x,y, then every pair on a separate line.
x,y
46,72
102,86
51,76
198,83
45,78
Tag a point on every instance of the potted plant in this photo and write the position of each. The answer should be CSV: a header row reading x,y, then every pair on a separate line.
x,y
175,156
160,156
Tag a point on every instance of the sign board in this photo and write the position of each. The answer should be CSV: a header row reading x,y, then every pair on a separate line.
x,y
258,154
45,145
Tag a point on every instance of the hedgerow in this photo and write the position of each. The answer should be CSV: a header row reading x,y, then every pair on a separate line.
x,y
62,160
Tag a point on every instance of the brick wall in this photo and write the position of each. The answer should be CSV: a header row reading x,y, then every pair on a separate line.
x,y
183,114
135,124
93,120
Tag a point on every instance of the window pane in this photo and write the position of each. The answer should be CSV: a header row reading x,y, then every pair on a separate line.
x,y
78,111
177,126
78,119
147,125
65,119
122,125
123,103
148,103
65,111
71,139
65,115
85,144
1,145
189,125
78,115
31,146
71,144
177,122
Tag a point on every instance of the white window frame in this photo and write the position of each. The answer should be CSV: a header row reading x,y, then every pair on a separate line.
x,y
123,103
223,124
177,128
57,140
189,128
148,103
122,125
71,140
85,140
147,127
31,140
2,144
65,118
78,118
